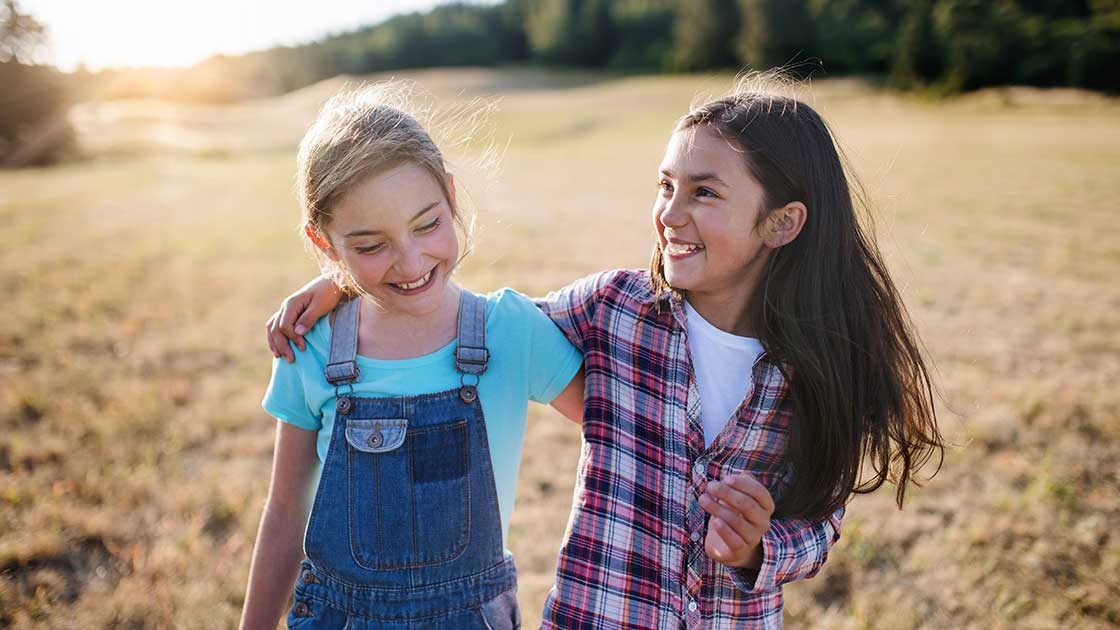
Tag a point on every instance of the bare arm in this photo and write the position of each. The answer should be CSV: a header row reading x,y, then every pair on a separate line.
x,y
570,401
279,547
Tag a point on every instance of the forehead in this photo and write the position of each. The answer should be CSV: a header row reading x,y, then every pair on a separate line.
x,y
701,148
391,195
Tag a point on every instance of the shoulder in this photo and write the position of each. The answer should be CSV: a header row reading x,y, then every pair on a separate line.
x,y
509,304
626,284
629,285
317,348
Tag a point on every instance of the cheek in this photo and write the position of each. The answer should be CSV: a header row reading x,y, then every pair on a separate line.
x,y
368,267
731,240
446,244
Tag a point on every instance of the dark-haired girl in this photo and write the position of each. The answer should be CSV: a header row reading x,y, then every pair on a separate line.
x,y
736,389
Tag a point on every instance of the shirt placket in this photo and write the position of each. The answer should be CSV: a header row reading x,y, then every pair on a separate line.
x,y
695,516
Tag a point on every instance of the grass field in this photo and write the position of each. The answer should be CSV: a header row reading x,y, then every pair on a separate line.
x,y
134,456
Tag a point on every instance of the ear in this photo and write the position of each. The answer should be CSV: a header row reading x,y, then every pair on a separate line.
x,y
784,224
451,187
321,241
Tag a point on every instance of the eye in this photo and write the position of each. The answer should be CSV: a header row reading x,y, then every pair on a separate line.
x,y
424,229
370,249
665,186
704,191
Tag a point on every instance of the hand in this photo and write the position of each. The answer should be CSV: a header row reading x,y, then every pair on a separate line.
x,y
298,313
741,508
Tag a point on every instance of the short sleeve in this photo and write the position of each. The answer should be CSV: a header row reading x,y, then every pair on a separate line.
x,y
285,398
552,361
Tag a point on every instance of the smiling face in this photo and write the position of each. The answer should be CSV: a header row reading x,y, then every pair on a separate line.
x,y
707,217
395,235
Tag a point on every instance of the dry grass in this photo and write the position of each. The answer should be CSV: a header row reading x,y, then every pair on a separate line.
x,y
134,457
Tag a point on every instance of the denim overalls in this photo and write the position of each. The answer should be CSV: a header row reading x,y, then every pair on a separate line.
x,y
405,530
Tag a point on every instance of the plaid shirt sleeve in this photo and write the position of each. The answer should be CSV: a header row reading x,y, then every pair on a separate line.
x,y
792,549
572,308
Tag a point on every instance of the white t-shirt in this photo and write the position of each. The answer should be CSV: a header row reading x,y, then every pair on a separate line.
x,y
722,363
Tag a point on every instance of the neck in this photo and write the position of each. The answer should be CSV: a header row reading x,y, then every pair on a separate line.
x,y
727,308
386,334
727,313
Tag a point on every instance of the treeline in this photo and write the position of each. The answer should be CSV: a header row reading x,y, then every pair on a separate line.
x,y
941,45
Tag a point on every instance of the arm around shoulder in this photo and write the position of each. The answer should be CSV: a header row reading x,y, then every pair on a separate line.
x,y
572,308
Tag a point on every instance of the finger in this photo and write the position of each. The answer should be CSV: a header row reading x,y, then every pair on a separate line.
x,y
745,482
281,343
268,337
306,321
739,501
731,538
289,314
321,304
277,340
716,546
746,529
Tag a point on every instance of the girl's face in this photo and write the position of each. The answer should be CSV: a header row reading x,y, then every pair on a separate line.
x,y
706,216
395,235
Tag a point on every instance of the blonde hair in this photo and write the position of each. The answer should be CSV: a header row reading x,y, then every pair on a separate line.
x,y
359,134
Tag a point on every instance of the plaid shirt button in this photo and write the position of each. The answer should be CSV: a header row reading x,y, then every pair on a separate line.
x,y
694,536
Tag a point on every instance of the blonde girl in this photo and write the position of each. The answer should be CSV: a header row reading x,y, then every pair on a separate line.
x,y
400,421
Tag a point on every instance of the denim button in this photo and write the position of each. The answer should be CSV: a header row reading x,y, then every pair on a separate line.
x,y
307,576
302,610
469,393
376,439
343,405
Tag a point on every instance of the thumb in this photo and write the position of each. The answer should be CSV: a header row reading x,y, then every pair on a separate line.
x,y
306,321
315,310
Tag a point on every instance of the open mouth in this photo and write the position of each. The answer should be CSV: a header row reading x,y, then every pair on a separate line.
x,y
415,286
681,250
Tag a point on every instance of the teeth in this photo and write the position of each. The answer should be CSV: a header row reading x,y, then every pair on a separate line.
x,y
419,283
677,248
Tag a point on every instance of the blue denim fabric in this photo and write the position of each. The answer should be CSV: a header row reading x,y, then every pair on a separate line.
x,y
405,531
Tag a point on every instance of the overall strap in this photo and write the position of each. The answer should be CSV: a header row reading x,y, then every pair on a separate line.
x,y
342,366
471,354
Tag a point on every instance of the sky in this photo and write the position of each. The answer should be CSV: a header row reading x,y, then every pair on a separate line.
x,y
104,33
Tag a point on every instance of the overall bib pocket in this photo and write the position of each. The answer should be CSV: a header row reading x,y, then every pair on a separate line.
x,y
408,492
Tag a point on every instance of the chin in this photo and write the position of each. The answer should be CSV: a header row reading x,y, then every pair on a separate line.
x,y
679,280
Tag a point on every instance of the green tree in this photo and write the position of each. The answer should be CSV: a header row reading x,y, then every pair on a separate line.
x,y
918,57
704,34
33,126
574,32
643,33
774,33
856,35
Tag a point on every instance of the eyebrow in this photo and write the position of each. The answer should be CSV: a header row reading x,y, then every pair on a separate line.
x,y
373,232
698,177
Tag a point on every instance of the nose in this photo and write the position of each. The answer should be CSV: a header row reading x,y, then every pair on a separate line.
x,y
410,262
672,213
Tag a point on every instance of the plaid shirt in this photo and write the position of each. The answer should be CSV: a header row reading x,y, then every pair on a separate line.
x,y
633,556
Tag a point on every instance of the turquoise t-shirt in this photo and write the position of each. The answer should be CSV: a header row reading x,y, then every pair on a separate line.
x,y
530,359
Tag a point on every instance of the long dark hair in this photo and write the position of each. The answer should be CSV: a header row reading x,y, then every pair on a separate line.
x,y
827,311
